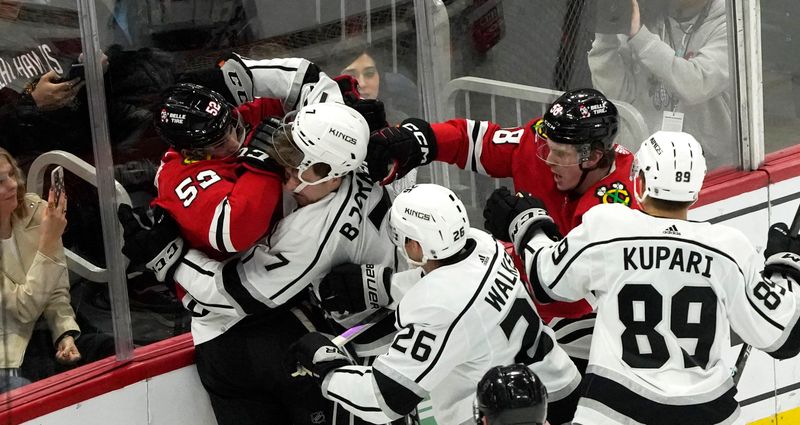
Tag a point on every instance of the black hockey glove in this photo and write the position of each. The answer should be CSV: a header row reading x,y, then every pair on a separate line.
x,y
348,85
156,244
315,354
394,151
352,288
373,111
254,155
779,240
509,217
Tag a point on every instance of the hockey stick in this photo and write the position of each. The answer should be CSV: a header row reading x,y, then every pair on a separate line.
x,y
744,353
360,328
350,334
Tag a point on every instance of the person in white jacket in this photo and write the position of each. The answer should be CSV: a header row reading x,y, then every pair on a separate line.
x,y
672,65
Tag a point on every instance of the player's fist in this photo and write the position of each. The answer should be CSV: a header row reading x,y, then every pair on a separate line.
x,y
373,111
394,151
779,240
516,217
315,354
352,288
153,244
255,155
501,208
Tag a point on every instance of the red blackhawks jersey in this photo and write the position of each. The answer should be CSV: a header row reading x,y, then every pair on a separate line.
x,y
486,148
214,200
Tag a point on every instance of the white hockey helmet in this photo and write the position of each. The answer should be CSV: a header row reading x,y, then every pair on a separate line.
x,y
673,166
431,215
322,133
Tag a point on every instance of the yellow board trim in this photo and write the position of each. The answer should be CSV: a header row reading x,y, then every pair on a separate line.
x,y
789,417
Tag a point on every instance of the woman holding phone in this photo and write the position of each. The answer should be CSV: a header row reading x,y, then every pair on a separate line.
x,y
35,276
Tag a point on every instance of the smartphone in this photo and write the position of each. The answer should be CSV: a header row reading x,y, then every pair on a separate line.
x,y
75,71
57,181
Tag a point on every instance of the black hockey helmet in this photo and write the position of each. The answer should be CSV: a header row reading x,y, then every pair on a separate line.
x,y
511,395
194,117
582,116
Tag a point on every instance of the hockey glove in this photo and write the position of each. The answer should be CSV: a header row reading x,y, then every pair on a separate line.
x,y
352,288
509,216
787,263
348,85
779,240
315,354
254,155
157,244
373,110
394,151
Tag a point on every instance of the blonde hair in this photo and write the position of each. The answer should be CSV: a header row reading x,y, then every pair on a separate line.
x,y
18,175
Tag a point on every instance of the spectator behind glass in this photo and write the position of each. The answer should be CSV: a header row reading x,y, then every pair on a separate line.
x,y
364,62
35,277
672,57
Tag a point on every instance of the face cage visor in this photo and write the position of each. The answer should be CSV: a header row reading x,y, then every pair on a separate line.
x,y
559,154
283,148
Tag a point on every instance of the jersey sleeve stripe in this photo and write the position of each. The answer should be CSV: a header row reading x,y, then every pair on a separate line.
x,y
343,400
301,79
472,132
763,315
560,323
576,335
538,289
378,213
397,398
433,362
232,283
219,230
322,244
478,141
196,267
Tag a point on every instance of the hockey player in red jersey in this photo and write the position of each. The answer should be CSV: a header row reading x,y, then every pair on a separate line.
x,y
202,182
567,158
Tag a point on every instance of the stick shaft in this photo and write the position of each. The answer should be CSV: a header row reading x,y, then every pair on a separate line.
x,y
360,328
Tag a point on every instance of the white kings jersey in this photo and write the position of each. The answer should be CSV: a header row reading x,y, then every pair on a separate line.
x,y
454,324
668,292
296,81
347,226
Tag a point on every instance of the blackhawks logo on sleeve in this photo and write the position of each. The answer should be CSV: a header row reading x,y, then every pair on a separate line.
x,y
616,194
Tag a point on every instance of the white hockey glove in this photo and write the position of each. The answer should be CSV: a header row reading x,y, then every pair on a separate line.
x,y
155,243
785,263
315,354
352,288
528,223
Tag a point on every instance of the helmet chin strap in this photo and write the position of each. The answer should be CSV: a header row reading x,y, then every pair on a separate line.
x,y
300,187
639,199
413,263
